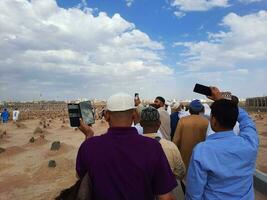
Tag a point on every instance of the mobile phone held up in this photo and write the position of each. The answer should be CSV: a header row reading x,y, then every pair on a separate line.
x,y
202,89
82,110
136,95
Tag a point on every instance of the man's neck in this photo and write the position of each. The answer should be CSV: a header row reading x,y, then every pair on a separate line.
x,y
147,130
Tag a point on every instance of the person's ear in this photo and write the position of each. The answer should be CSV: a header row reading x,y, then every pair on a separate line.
x,y
213,123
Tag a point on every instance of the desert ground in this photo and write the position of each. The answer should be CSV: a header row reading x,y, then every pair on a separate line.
x,y
25,152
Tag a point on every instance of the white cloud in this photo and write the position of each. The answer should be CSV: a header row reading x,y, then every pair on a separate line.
x,y
198,5
243,45
129,2
179,14
42,42
249,1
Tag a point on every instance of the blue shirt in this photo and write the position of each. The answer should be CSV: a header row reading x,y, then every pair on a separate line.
x,y
174,121
5,116
125,165
222,167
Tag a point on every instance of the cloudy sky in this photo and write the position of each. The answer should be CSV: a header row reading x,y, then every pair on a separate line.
x,y
66,49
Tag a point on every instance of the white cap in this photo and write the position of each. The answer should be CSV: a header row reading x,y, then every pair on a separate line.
x,y
120,102
175,105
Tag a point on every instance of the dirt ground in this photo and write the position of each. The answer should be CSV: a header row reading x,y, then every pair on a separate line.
x,y
24,171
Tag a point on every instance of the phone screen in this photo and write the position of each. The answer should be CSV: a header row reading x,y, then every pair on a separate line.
x,y
74,114
87,112
202,89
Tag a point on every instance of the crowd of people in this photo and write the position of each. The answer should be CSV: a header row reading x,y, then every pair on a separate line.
x,y
149,154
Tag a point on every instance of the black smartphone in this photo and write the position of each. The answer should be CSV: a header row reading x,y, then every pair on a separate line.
x,y
87,112
74,114
136,95
202,89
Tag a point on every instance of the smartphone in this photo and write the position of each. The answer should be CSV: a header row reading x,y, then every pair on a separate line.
x,y
82,110
202,89
136,95
227,95
87,112
74,114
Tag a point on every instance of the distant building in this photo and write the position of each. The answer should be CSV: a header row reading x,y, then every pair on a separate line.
x,y
257,103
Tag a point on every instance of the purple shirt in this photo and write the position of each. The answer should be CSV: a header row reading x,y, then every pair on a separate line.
x,y
125,165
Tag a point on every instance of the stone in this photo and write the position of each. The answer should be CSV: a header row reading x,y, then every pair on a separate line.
x,y
32,140
42,136
2,150
38,130
4,132
52,164
55,146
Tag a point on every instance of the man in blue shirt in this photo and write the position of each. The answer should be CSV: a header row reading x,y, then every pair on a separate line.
x,y
5,116
222,167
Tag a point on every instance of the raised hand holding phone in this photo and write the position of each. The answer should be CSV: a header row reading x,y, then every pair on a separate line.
x,y
86,129
215,94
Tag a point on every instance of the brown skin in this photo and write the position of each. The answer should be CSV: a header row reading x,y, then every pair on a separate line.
x,y
158,103
215,96
115,119
150,127
137,101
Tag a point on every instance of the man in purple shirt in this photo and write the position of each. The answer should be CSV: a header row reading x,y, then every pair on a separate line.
x,y
121,163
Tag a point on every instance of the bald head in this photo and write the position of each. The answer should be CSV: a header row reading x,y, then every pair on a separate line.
x,y
121,118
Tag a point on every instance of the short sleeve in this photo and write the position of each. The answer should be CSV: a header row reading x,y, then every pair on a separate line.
x,y
163,179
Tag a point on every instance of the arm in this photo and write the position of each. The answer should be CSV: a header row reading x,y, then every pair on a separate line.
x,y
177,135
168,196
247,128
163,181
86,130
179,170
196,178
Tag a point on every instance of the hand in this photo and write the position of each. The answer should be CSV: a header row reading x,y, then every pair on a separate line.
x,y
215,94
86,129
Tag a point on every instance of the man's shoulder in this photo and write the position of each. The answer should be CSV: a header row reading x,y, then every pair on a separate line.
x,y
94,140
168,144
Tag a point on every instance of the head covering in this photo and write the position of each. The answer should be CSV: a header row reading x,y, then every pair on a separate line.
x,y
120,102
196,105
150,114
175,105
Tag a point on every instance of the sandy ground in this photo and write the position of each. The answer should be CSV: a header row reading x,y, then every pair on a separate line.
x,y
24,171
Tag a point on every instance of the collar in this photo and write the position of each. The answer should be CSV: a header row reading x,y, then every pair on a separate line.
x,y
150,135
221,134
122,131
161,108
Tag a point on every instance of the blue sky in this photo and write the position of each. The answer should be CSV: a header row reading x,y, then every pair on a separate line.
x,y
67,49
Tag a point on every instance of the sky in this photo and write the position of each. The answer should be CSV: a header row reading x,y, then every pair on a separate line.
x,y
68,49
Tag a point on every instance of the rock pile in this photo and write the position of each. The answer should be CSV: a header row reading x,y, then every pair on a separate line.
x,y
55,146
52,164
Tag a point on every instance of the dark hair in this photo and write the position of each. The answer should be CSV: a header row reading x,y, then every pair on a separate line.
x,y
161,99
193,112
225,112
235,99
